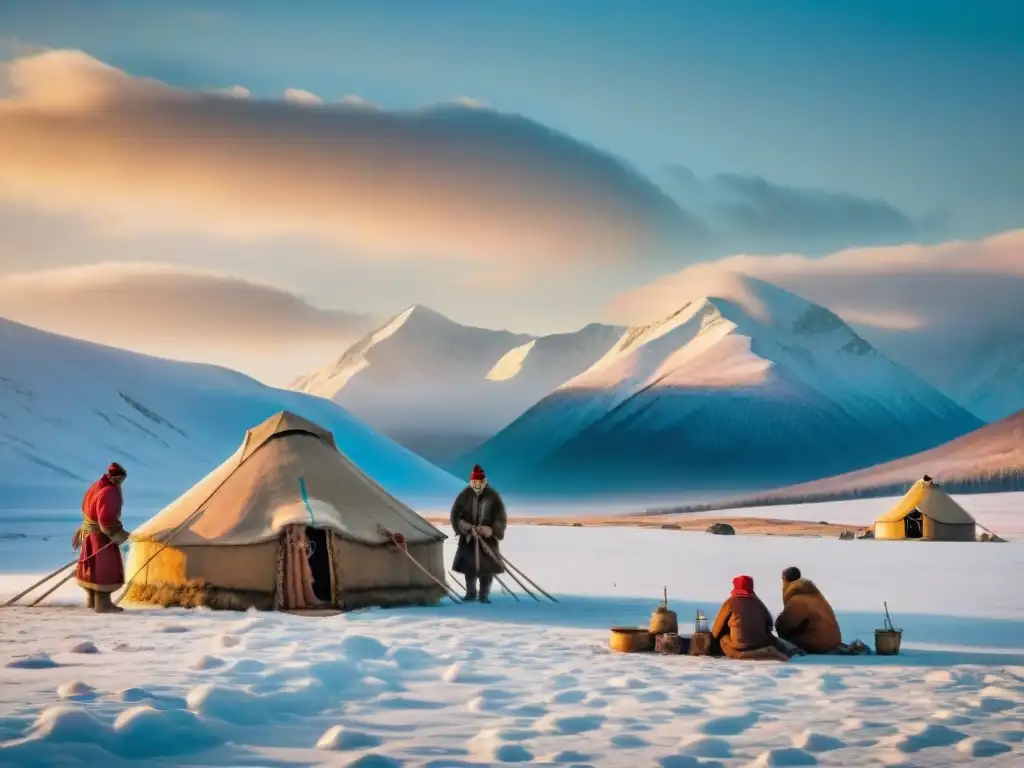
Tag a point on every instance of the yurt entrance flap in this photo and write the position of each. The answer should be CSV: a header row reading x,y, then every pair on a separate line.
x,y
305,569
286,520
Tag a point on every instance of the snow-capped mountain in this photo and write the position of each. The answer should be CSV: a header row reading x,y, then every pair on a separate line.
x,y
440,388
69,407
745,385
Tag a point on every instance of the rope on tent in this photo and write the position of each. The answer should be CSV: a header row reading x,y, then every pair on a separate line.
x,y
399,541
512,570
305,500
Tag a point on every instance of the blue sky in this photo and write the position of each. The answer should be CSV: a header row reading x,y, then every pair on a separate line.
x,y
784,126
915,102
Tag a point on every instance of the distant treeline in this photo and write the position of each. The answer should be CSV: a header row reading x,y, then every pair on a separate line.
x,y
1000,481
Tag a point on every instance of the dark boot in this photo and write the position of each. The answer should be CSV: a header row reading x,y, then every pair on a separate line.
x,y
470,596
104,604
485,588
90,598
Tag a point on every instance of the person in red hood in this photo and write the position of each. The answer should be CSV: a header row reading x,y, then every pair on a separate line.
x,y
743,627
100,569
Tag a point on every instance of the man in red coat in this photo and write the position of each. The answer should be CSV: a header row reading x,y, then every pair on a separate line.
x,y
100,570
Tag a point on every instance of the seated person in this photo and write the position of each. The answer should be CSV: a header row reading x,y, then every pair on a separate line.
x,y
807,620
743,628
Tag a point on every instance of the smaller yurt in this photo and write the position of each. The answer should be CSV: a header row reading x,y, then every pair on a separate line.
x,y
926,512
286,523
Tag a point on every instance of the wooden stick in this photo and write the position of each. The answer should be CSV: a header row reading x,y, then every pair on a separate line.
x,y
53,589
491,554
448,590
42,581
534,584
502,583
455,578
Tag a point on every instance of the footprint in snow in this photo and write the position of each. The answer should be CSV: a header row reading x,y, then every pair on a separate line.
x,y
976,747
729,725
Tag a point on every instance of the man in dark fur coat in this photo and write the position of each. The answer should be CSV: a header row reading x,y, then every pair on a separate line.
x,y
478,511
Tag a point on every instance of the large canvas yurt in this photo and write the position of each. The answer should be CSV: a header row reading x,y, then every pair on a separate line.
x,y
926,512
287,522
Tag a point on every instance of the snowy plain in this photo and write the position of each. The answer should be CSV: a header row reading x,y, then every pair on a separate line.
x,y
525,681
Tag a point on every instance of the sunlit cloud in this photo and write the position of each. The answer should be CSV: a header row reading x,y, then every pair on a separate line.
x,y
447,182
161,309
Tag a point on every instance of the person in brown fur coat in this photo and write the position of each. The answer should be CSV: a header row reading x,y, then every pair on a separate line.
x,y
743,628
807,620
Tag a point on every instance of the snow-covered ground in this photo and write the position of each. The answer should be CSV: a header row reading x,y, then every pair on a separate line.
x,y
515,682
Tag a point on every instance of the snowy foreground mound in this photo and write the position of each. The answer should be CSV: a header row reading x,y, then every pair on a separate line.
x,y
521,682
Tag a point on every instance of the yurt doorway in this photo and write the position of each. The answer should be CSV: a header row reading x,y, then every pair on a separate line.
x,y
305,578
913,525
320,562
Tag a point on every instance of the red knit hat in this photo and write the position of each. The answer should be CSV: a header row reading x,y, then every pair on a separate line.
x,y
116,470
742,586
477,473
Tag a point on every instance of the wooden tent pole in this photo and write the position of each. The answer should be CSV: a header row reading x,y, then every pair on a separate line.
x,y
448,590
491,554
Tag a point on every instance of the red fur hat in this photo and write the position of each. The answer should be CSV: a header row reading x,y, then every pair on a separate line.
x,y
743,585
477,473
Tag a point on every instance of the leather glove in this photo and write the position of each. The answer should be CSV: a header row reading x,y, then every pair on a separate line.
x,y
485,530
464,526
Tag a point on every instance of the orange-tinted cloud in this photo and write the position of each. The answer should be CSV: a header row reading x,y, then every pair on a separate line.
x,y
160,309
956,283
445,182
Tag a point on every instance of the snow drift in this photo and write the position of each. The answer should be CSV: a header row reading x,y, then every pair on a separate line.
x,y
745,385
69,407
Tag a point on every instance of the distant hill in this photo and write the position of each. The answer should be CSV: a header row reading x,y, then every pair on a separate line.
x,y
989,459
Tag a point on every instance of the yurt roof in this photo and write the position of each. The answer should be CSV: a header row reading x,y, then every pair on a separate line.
x,y
932,501
287,470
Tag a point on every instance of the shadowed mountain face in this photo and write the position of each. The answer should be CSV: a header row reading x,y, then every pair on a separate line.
x,y
746,386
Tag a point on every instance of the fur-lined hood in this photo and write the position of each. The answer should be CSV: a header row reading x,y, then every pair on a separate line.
x,y
799,587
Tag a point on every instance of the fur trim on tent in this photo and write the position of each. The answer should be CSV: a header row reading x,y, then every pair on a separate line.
x,y
195,594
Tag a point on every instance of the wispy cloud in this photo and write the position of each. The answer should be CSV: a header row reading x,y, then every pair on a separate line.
x,y
161,309
301,96
747,211
444,182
